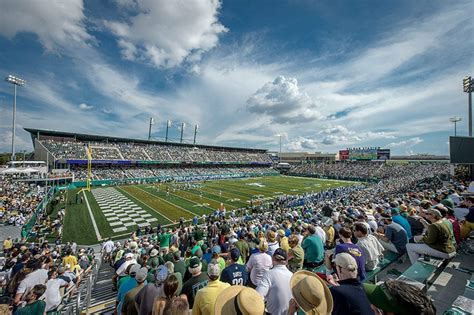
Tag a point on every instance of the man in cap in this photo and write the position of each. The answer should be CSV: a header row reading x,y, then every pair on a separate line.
x,y
235,273
127,285
243,247
128,306
399,297
392,236
349,296
206,297
197,281
437,241
310,294
239,300
275,284
147,295
121,270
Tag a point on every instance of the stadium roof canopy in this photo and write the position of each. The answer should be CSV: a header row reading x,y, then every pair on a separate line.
x,y
37,133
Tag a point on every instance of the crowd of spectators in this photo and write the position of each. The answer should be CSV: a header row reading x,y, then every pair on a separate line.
x,y
365,170
76,150
263,259
18,200
37,277
178,173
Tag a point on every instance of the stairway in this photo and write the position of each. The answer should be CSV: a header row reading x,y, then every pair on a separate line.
x,y
102,296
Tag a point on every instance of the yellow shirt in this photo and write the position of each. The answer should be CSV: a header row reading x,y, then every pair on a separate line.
x,y
70,260
7,244
206,297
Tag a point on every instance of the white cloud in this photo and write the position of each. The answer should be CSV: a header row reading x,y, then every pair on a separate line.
x,y
85,106
166,33
283,101
406,143
57,24
302,144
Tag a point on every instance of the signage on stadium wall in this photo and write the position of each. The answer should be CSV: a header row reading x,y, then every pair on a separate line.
x,y
383,154
364,153
343,155
122,162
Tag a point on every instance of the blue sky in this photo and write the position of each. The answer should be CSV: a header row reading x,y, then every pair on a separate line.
x,y
324,74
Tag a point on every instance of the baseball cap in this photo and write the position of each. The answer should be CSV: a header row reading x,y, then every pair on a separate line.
x,y
234,254
345,261
279,254
395,211
141,274
213,270
134,269
128,255
194,262
434,212
161,273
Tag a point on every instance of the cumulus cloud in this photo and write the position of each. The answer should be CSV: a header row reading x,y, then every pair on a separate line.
x,y
85,106
302,144
283,101
406,143
166,33
57,24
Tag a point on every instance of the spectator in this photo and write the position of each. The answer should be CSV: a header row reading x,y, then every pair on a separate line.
x,y
170,289
295,254
33,305
310,293
169,265
238,299
370,246
392,236
128,307
467,225
259,263
243,247
346,246
146,297
398,297
272,242
313,249
52,295
129,283
36,276
436,242
235,273
275,285
397,218
348,295
197,281
206,297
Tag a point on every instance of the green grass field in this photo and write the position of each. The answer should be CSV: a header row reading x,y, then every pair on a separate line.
x,y
168,202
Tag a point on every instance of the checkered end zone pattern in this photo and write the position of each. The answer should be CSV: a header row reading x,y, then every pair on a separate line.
x,y
120,211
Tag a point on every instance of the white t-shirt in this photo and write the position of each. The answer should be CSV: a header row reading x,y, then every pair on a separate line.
x,y
276,290
39,276
320,232
52,294
258,264
108,246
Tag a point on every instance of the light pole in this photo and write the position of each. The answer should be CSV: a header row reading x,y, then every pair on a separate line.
x,y
182,130
468,86
168,125
455,120
195,132
16,81
149,129
279,157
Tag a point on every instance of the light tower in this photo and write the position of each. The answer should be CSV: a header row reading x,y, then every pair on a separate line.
x,y
16,81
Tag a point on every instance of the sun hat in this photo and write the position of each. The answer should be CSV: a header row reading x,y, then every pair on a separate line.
x,y
281,233
141,274
311,293
213,270
238,299
153,252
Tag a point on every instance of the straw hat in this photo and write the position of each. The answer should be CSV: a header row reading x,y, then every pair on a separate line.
x,y
238,299
311,293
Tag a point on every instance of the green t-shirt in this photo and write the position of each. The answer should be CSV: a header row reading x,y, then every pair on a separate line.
x,y
165,240
35,308
313,249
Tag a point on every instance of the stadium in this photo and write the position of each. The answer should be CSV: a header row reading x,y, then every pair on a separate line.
x,y
323,175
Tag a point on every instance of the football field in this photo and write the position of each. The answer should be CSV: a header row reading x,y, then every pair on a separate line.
x,y
116,211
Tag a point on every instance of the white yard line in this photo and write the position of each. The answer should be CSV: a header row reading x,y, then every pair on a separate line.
x,y
175,205
94,224
130,196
